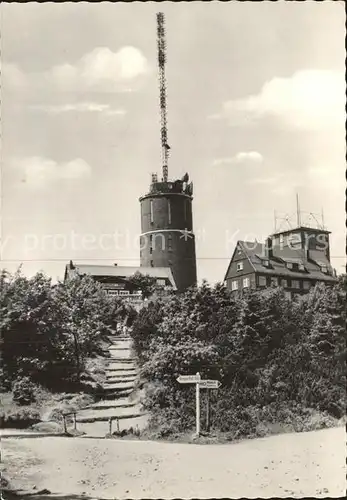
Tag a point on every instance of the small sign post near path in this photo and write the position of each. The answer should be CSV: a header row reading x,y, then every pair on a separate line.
x,y
199,384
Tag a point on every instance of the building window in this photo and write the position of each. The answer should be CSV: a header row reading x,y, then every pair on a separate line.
x,y
324,269
295,284
151,243
274,281
169,242
284,283
246,282
239,266
307,285
289,265
151,206
234,285
262,281
161,282
265,262
152,263
301,267
281,239
288,295
169,210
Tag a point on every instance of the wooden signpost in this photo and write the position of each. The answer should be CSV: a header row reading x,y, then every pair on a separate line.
x,y
200,384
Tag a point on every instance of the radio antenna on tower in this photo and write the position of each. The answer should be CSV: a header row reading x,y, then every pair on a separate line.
x,y
162,89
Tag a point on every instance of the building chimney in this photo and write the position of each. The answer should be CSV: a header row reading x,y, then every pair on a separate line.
x,y
268,248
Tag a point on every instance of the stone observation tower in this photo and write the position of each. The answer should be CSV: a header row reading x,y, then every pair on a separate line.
x,y
167,238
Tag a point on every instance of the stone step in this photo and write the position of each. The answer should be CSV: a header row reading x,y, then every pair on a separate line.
x,y
109,386
113,359
121,355
117,394
122,381
120,375
125,372
108,405
118,348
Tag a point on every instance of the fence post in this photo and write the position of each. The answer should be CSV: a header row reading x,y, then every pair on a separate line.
x,y
74,421
117,424
64,423
110,426
208,410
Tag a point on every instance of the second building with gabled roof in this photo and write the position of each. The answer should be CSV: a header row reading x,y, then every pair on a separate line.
x,y
295,260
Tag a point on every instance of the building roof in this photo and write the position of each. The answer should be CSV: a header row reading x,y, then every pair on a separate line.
x,y
124,271
255,252
302,228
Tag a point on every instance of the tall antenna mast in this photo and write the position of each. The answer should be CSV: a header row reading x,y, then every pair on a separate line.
x,y
162,86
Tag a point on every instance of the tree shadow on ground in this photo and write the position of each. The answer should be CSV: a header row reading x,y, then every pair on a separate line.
x,y
15,495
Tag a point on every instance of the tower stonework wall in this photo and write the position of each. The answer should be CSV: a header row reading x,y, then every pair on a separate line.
x,y
167,238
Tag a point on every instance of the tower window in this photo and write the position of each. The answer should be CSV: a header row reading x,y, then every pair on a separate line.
x,y
169,210
151,205
169,242
151,243
152,263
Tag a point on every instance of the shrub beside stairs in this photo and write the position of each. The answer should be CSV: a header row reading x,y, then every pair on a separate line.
x,y
120,401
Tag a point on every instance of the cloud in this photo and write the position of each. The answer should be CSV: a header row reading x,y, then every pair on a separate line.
x,y
38,172
241,157
309,100
100,70
82,107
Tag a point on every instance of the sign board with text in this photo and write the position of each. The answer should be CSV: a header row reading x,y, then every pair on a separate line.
x,y
209,384
199,384
188,379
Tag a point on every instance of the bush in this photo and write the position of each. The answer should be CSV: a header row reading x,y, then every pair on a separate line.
x,y
19,417
24,391
281,363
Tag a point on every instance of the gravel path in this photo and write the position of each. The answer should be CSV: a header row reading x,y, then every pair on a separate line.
x,y
289,465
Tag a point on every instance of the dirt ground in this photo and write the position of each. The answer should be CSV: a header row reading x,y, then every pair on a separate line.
x,y
288,465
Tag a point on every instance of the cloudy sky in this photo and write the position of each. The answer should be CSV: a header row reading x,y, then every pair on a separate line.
x,y
255,113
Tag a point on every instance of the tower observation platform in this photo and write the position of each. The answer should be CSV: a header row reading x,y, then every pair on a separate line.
x,y
167,238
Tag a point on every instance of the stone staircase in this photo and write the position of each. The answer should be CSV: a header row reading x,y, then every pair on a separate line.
x,y
120,400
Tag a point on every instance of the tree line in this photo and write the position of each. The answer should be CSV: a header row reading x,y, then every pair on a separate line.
x,y
50,330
